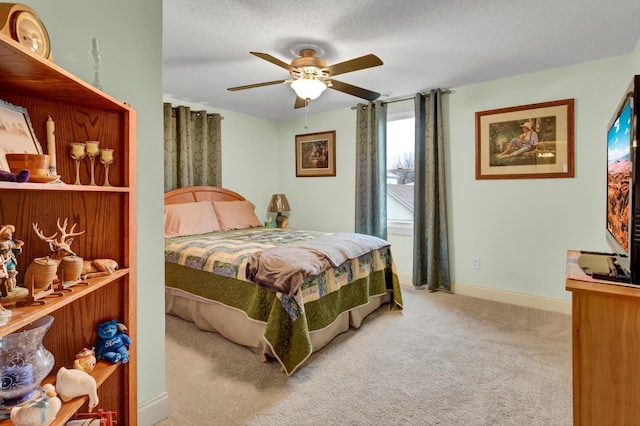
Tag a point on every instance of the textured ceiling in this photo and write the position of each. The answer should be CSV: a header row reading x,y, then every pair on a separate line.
x,y
424,44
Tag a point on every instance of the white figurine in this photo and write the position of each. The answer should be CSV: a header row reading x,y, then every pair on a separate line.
x,y
42,411
73,383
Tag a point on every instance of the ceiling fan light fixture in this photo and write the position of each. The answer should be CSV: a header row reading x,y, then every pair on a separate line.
x,y
308,87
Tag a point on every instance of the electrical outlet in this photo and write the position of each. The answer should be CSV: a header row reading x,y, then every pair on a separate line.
x,y
475,263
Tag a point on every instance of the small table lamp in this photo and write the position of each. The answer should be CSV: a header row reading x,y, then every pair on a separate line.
x,y
278,205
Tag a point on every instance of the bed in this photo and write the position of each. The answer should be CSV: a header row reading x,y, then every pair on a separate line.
x,y
217,276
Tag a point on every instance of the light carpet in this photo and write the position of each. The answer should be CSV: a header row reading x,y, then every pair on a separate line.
x,y
446,359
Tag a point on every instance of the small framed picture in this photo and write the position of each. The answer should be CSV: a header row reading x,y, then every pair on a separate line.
x,y
16,133
316,154
524,142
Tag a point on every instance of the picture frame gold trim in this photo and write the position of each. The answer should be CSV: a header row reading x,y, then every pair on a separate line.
x,y
316,154
497,157
16,133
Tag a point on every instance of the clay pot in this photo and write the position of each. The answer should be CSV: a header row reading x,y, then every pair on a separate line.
x,y
42,272
70,268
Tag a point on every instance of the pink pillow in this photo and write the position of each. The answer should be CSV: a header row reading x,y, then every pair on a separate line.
x,y
236,215
189,219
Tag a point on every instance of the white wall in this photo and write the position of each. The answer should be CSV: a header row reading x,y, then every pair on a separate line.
x,y
130,37
635,58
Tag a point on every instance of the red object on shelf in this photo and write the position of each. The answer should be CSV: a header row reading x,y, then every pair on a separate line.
x,y
107,418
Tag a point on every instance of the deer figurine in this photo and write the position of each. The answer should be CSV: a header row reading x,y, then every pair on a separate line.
x,y
61,248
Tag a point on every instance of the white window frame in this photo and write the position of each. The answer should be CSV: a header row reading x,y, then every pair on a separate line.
x,y
400,227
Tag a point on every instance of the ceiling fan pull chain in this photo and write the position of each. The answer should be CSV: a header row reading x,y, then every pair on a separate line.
x,y
306,111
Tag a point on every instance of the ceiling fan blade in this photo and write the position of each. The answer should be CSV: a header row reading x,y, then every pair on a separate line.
x,y
353,90
273,60
300,103
251,86
356,64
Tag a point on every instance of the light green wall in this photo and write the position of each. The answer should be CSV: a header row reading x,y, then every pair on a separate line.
x,y
249,155
521,229
130,37
487,219
320,203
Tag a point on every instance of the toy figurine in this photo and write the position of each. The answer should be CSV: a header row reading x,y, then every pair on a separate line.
x,y
5,313
41,411
112,343
9,248
85,360
74,383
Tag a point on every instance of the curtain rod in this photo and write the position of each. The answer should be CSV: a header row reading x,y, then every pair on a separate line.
x,y
443,92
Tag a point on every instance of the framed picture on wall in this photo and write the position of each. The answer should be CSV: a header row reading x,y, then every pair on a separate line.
x,y
527,141
316,154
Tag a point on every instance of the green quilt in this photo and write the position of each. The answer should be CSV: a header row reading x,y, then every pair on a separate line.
x,y
189,262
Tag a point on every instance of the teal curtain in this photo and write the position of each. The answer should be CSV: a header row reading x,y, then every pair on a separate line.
x,y
371,169
430,241
192,148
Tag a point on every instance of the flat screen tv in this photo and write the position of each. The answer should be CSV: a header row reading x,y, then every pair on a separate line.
x,y
623,188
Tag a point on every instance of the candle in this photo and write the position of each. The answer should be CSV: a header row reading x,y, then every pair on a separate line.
x,y
51,144
77,149
92,148
106,155
95,44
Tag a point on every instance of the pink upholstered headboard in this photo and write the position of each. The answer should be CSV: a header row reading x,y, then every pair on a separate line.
x,y
198,193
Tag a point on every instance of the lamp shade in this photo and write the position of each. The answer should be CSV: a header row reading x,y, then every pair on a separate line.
x,y
308,87
279,204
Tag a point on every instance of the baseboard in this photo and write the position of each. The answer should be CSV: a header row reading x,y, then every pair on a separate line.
x,y
153,410
505,296
521,299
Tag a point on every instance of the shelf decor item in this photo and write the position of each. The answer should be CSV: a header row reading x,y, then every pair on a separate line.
x,y
93,149
78,152
106,158
38,280
22,24
51,145
16,123
24,363
69,271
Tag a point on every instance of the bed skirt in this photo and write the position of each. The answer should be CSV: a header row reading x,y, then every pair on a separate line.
x,y
236,326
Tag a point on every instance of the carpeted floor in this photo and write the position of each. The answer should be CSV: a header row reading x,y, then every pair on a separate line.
x,y
446,360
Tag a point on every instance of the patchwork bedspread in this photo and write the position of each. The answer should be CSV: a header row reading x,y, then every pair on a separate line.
x,y
225,254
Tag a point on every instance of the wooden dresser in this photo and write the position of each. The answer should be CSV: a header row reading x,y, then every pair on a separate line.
x,y
107,214
606,352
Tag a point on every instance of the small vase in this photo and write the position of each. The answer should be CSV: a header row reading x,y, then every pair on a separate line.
x,y
24,362
70,269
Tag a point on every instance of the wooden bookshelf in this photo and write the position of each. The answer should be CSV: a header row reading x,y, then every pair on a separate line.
x,y
107,214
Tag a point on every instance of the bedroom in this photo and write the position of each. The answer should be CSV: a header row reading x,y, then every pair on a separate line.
x,y
504,273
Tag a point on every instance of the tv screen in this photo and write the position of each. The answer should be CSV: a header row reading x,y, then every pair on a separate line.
x,y
619,177
623,187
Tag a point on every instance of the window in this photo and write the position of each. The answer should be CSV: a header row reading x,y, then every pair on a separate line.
x,y
400,172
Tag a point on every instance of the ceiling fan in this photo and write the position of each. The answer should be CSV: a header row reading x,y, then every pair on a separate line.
x,y
311,76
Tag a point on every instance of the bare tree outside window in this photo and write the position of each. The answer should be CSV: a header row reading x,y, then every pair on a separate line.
x,y
400,170
403,166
